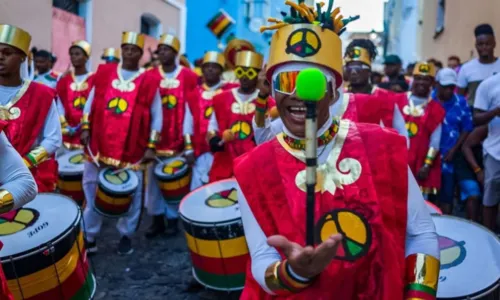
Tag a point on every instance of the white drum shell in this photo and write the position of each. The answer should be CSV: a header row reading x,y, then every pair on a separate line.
x,y
126,188
66,167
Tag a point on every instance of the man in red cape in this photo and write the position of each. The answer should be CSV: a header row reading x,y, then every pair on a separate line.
x,y
374,237
121,126
33,130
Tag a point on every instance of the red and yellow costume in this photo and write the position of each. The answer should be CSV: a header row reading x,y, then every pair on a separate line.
x,y
173,95
355,192
236,115
421,121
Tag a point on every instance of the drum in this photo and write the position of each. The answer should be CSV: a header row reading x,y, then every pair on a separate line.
x,y
470,259
115,192
174,179
43,254
433,209
215,237
70,175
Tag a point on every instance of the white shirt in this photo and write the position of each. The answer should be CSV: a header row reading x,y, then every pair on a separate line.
x,y
47,80
421,234
50,137
472,73
156,109
15,177
488,98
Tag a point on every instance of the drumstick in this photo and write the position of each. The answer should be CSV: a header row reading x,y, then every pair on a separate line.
x,y
92,156
127,167
227,136
311,88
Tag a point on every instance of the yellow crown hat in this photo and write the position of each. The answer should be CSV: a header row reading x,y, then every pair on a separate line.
x,y
358,54
214,57
424,69
171,41
15,37
84,45
111,52
133,38
249,59
308,35
233,47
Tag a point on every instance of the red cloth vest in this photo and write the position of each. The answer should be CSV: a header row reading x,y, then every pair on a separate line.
x,y
372,109
73,103
22,132
173,104
425,125
200,105
370,211
230,114
120,121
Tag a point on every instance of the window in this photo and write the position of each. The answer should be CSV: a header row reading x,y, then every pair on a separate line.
x,y
151,25
145,26
440,18
71,6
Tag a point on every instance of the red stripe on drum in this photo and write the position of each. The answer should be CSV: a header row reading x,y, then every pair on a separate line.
x,y
176,193
71,286
220,266
106,208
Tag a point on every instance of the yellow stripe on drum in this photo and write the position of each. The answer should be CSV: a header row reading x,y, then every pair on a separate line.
x,y
217,249
113,201
72,186
46,279
180,183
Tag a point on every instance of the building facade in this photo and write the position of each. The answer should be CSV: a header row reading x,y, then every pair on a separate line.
x,y
55,24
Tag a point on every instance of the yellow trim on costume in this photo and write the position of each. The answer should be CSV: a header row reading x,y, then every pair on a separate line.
x,y
71,146
174,185
15,37
217,249
70,186
45,280
358,54
6,201
113,200
249,59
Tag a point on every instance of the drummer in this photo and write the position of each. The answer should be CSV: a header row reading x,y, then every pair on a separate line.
x,y
230,131
44,138
72,91
198,113
111,55
17,186
117,88
381,215
172,82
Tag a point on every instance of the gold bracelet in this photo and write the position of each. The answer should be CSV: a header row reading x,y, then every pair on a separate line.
x,y
431,154
188,145
154,137
6,201
422,274
63,121
271,277
37,155
85,122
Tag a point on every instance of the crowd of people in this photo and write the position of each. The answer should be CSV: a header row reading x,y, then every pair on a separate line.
x,y
430,133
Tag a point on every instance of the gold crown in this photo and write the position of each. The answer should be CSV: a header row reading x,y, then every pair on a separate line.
x,y
233,47
358,54
84,45
214,57
249,59
111,52
424,69
171,41
15,37
133,38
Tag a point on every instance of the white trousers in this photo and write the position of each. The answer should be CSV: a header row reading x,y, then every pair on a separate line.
x,y
126,225
155,204
201,169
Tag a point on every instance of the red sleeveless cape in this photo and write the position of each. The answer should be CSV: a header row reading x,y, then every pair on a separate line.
x,y
371,211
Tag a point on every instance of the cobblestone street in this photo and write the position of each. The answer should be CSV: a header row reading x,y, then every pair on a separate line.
x,y
158,269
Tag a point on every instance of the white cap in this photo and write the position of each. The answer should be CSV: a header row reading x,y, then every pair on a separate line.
x,y
447,76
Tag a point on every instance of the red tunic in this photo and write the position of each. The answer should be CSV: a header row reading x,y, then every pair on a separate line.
x,y
367,203
173,98
73,100
120,119
200,105
24,131
372,109
420,129
236,115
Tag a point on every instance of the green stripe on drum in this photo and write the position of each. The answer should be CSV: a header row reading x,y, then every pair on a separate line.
x,y
87,291
220,282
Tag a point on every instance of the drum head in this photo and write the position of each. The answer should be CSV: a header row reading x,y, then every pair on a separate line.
x,y
172,168
71,162
123,182
213,203
470,258
44,219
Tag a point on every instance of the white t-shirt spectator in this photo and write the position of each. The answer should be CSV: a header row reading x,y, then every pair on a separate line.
x,y
473,73
488,98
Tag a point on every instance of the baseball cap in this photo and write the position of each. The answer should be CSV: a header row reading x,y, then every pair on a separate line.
x,y
392,60
447,76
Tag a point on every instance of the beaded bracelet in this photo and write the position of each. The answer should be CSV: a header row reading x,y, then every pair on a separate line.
x,y
281,281
261,104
